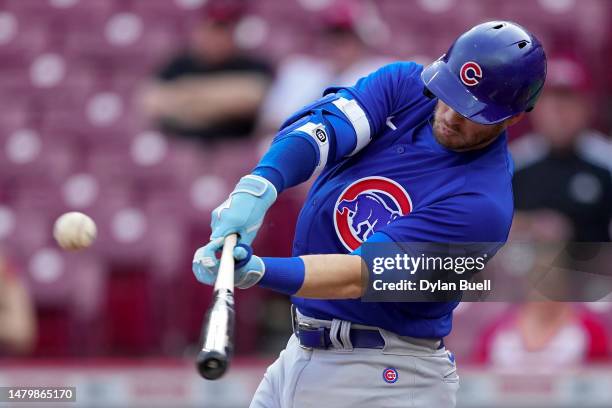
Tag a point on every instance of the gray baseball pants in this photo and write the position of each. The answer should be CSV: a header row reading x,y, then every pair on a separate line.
x,y
407,372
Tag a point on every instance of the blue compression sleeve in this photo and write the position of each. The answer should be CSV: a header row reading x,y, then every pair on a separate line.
x,y
289,161
284,275
294,154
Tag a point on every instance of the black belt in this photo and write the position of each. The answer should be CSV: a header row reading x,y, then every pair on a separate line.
x,y
311,336
319,337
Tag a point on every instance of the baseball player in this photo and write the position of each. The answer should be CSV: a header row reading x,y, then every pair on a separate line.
x,y
407,154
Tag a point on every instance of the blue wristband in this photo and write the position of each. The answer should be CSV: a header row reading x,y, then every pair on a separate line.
x,y
285,275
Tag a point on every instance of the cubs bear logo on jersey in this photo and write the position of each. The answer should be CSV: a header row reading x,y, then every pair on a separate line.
x,y
367,205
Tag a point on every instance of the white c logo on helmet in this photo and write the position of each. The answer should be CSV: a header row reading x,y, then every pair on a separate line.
x,y
471,73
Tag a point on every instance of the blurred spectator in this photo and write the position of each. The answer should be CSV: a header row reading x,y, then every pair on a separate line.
x,y
543,337
301,79
17,320
213,90
562,178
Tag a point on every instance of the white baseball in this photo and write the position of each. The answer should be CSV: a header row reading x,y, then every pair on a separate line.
x,y
74,230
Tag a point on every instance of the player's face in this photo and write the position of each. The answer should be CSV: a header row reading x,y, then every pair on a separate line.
x,y
458,133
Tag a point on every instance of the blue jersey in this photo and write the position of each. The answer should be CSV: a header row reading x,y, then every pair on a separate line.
x,y
401,183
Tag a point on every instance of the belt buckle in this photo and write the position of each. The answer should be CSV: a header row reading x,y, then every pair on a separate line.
x,y
303,327
294,319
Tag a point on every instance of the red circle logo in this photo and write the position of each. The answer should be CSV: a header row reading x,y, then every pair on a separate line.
x,y
390,375
471,73
367,205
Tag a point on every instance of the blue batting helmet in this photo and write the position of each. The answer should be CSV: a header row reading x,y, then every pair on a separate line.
x,y
492,72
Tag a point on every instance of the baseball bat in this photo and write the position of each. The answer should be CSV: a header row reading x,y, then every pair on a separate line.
x,y
218,329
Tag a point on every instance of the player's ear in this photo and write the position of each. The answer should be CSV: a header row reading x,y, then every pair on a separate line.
x,y
515,119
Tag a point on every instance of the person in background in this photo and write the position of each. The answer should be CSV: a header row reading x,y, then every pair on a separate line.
x,y
563,170
562,193
212,91
17,317
543,337
343,58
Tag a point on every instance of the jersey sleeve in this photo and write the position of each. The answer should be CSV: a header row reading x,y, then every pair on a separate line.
x,y
472,219
385,91
465,218
338,125
464,225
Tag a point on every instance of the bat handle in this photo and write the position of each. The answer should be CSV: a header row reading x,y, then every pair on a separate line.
x,y
225,277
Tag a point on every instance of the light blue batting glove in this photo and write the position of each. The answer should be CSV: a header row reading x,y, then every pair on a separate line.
x,y
248,269
242,213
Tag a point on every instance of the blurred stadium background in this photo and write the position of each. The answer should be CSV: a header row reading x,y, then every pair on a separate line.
x,y
121,320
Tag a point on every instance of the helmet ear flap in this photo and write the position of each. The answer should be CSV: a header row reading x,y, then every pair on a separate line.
x,y
535,97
